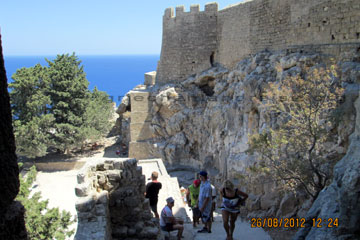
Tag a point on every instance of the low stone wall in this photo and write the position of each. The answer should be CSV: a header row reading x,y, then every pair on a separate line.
x,y
111,202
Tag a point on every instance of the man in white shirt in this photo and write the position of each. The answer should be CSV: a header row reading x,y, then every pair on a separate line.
x,y
167,220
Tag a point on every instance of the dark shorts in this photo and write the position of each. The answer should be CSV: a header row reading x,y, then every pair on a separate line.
x,y
169,227
196,212
154,208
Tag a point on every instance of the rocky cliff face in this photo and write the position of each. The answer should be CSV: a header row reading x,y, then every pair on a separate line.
x,y
12,225
205,121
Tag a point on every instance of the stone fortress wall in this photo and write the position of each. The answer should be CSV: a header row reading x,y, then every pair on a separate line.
x,y
193,41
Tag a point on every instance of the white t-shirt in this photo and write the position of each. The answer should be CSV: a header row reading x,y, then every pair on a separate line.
x,y
213,191
165,213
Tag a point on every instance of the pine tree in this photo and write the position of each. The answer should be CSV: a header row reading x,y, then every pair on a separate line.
x,y
31,106
98,115
52,107
69,98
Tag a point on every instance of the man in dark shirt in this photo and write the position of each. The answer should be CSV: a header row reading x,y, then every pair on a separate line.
x,y
152,191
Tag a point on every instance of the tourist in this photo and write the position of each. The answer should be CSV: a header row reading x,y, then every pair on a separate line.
x,y
167,220
118,151
152,192
123,149
192,197
205,202
232,198
213,202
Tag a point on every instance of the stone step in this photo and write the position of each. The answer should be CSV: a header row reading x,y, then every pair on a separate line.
x,y
141,150
170,187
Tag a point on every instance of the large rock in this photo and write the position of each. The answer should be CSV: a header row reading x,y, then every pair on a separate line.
x,y
205,121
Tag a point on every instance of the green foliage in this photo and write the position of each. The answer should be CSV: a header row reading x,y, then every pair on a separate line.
x,y
52,107
34,137
28,95
42,222
97,116
295,147
69,97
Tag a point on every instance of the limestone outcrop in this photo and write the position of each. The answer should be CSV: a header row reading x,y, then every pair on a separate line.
x,y
111,202
12,225
205,121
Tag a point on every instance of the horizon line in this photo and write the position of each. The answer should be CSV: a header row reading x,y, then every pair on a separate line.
x,y
47,55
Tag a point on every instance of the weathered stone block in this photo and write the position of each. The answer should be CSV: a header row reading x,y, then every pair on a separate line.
x,y
131,232
109,166
103,197
101,179
140,131
150,78
140,101
132,201
100,210
149,232
80,178
120,232
139,226
114,175
81,190
118,164
140,117
85,204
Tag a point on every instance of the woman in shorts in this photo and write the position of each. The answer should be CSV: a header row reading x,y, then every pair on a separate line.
x,y
230,206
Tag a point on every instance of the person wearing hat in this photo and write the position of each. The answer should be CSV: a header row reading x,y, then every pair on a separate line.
x,y
232,198
152,191
167,220
192,197
205,203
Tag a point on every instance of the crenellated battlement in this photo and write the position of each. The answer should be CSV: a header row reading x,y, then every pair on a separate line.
x,y
194,9
193,41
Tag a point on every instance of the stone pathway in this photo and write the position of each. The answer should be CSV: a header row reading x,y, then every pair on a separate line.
x,y
170,187
58,188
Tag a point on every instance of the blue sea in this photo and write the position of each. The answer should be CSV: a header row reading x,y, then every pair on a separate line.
x,y
115,75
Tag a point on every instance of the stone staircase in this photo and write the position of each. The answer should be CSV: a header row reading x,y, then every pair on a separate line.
x,y
170,187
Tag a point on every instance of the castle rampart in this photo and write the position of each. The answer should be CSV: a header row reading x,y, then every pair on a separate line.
x,y
189,38
193,41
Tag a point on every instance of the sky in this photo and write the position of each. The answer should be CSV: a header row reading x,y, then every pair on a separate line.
x,y
86,27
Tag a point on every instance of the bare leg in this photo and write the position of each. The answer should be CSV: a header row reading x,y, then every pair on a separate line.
x,y
180,229
225,217
233,217
212,211
194,221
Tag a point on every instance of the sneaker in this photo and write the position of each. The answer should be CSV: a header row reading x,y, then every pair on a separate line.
x,y
204,230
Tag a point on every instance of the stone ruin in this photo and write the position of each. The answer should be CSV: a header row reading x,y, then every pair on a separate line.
x,y
111,202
